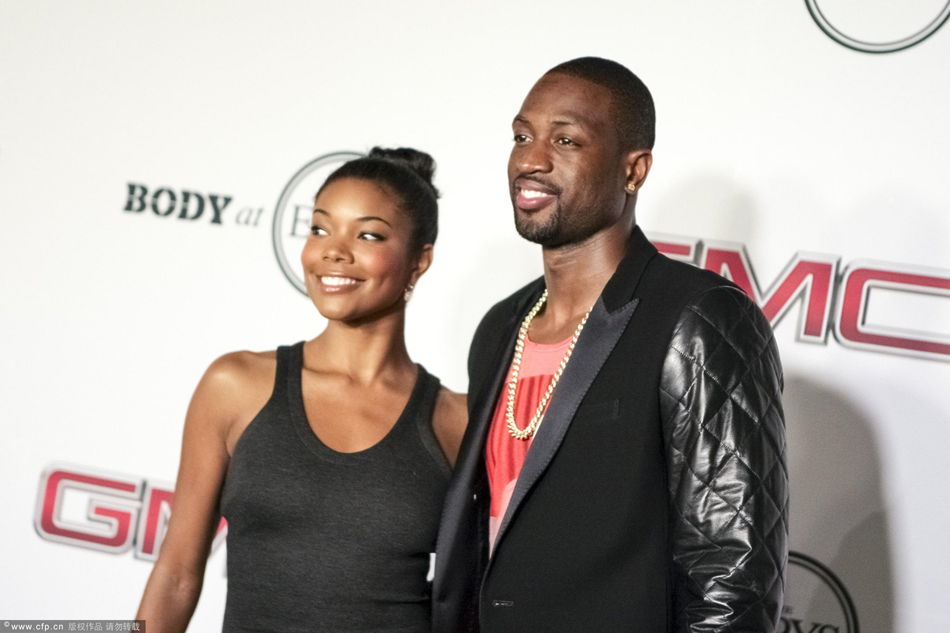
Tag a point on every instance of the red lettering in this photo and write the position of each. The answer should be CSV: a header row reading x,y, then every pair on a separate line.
x,y
157,509
111,511
811,278
114,511
860,279
808,278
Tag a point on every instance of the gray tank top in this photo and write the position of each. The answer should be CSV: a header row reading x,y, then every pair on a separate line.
x,y
325,541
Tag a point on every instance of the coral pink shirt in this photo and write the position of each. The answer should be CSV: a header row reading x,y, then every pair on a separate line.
x,y
505,455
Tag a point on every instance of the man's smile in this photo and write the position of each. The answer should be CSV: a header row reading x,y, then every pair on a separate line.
x,y
531,195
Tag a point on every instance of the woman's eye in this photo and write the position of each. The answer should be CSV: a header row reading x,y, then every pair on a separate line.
x,y
372,237
317,230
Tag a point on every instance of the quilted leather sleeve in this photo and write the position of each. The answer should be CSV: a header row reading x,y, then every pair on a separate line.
x,y
720,398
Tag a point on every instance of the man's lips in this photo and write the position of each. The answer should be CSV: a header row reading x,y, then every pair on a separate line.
x,y
531,195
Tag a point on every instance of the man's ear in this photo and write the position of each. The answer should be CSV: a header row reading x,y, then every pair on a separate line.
x,y
637,168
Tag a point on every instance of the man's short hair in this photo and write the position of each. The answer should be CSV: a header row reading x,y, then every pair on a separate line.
x,y
633,104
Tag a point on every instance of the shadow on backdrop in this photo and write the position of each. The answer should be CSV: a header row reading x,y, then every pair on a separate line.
x,y
837,505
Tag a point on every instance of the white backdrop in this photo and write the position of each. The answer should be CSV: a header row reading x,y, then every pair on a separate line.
x,y
771,136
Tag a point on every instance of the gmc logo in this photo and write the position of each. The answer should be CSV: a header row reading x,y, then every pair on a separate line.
x,y
108,513
829,299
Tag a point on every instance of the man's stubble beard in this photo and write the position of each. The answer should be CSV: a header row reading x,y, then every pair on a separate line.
x,y
554,232
545,234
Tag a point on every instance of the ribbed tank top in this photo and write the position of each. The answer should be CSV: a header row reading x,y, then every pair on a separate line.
x,y
320,540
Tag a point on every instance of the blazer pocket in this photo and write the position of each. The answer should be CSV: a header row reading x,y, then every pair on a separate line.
x,y
600,410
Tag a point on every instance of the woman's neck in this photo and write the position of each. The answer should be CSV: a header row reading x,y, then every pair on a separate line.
x,y
365,352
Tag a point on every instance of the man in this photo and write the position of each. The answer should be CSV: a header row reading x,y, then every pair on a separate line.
x,y
623,468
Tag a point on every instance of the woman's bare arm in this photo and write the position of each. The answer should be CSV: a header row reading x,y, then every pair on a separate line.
x,y
229,394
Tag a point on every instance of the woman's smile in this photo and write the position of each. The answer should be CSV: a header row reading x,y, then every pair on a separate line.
x,y
338,283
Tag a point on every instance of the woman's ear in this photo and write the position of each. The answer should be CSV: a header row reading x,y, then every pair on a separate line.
x,y
423,261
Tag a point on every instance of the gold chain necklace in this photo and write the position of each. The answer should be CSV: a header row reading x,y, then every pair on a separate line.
x,y
528,431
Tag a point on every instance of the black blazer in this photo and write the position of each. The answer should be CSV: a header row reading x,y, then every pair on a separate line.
x,y
654,496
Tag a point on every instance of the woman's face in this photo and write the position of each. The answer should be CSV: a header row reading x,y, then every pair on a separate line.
x,y
357,262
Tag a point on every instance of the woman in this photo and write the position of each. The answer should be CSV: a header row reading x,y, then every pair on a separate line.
x,y
332,495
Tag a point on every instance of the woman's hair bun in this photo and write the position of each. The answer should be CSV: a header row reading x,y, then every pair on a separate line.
x,y
418,162
408,174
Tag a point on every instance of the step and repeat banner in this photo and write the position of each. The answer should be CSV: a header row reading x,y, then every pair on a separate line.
x,y
157,166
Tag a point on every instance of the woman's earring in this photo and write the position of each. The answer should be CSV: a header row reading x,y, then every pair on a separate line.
x,y
407,294
631,188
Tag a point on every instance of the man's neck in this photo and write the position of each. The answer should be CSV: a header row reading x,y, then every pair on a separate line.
x,y
575,276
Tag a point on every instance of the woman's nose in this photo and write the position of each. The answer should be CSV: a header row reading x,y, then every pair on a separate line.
x,y
335,250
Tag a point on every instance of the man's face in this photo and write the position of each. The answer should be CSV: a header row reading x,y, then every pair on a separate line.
x,y
566,172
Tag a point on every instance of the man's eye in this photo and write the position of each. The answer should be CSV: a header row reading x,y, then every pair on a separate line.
x,y
521,138
317,230
565,141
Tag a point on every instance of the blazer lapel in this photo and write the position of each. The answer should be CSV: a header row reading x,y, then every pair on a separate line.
x,y
598,339
607,322
472,452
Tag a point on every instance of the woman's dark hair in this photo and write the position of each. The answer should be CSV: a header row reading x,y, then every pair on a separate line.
x,y
406,172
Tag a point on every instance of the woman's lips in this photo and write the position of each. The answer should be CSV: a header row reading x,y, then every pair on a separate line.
x,y
338,283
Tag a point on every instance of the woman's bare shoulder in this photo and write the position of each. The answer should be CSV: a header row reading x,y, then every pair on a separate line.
x,y
453,403
241,367
238,381
449,421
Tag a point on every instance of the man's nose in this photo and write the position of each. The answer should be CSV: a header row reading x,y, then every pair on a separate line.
x,y
532,157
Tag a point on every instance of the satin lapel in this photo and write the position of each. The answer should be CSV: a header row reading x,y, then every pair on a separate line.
x,y
472,452
598,339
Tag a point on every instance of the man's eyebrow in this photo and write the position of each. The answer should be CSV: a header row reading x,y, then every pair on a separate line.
x,y
572,118
563,118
